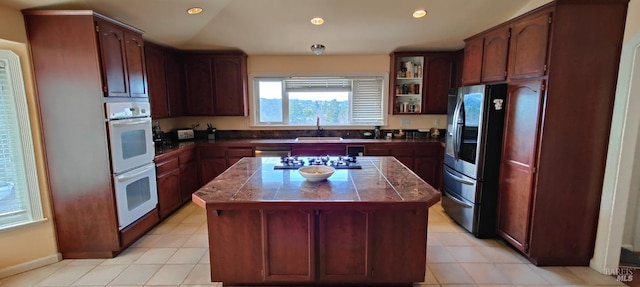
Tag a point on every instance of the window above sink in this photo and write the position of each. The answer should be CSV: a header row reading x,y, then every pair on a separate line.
x,y
337,101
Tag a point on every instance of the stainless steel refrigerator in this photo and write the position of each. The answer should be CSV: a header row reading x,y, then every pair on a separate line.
x,y
475,123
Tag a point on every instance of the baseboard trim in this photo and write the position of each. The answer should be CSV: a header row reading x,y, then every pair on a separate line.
x,y
33,264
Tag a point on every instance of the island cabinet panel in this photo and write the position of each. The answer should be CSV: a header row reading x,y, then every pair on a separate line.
x,y
515,194
405,263
288,242
235,245
344,245
495,55
528,47
472,67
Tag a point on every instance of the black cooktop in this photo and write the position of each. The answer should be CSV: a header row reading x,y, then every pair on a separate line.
x,y
337,162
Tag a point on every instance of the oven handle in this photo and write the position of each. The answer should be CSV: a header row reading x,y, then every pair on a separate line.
x,y
130,122
458,201
458,179
123,177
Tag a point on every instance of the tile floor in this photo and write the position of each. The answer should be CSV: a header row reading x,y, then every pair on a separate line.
x,y
175,253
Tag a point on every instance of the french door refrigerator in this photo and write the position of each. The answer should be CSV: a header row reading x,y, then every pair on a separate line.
x,y
475,121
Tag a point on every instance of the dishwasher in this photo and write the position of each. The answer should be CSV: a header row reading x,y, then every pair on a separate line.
x,y
273,151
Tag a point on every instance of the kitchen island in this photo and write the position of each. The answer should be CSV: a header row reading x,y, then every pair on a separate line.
x,y
272,227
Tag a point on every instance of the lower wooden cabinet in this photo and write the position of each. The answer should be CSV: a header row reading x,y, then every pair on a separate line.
x,y
318,149
188,173
325,245
168,182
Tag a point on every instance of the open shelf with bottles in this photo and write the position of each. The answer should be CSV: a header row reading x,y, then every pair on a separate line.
x,y
407,83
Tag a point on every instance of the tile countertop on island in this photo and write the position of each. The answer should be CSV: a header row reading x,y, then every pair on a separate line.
x,y
382,180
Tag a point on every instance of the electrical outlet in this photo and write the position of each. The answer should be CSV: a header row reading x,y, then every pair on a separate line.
x,y
405,122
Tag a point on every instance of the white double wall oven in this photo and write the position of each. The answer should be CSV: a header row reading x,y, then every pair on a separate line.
x,y
132,152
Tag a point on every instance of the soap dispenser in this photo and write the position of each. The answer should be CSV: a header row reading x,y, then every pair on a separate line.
x,y
376,132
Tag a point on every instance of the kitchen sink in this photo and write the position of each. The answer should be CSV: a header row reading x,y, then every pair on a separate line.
x,y
307,139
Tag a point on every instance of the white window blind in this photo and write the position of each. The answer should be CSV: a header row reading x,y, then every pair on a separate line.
x,y
366,108
19,192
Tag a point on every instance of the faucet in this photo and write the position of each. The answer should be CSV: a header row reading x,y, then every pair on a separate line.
x,y
319,130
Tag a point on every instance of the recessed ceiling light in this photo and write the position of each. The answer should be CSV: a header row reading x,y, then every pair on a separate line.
x,y
194,10
419,13
317,21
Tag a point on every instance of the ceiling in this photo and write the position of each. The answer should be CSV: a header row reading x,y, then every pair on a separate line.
x,y
282,27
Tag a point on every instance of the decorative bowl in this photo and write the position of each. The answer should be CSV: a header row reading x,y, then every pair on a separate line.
x,y
316,172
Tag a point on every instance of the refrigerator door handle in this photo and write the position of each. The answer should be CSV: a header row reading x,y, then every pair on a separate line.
x,y
456,131
458,179
458,201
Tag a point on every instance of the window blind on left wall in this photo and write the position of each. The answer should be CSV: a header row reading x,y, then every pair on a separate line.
x,y
19,192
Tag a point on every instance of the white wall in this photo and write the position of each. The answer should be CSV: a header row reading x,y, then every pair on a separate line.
x,y
621,158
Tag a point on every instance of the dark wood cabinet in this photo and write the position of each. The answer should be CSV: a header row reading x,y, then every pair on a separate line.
x,y
213,162
168,184
199,85
399,264
230,85
175,84
216,84
495,55
238,255
288,240
550,187
472,68
122,59
330,245
156,80
529,45
78,58
188,173
517,166
234,154
344,245
438,75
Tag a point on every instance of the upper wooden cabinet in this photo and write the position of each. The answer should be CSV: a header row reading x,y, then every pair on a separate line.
x,y
230,85
495,55
528,46
164,77
472,67
157,82
514,50
122,60
420,82
216,84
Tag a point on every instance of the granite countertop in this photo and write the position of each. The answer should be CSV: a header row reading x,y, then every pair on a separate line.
x,y
254,180
186,144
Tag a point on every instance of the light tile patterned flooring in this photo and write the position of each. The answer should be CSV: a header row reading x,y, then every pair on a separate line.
x,y
175,253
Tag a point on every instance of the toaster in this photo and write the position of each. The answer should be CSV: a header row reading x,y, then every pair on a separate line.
x,y
185,134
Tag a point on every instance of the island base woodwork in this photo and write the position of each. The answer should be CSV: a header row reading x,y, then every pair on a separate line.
x,y
325,244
